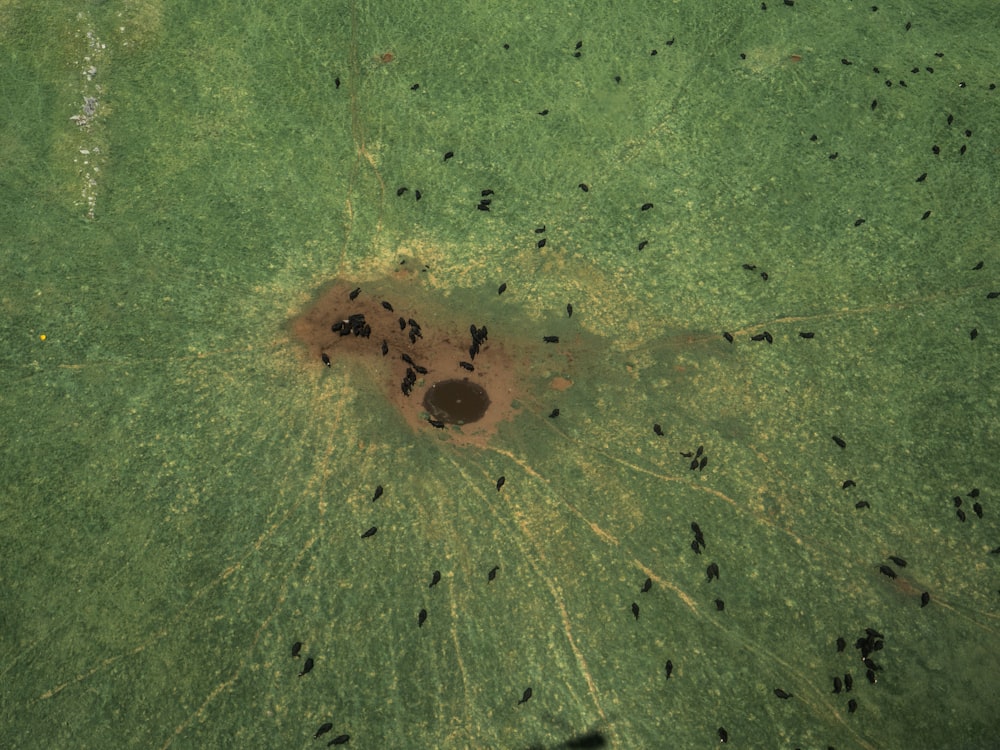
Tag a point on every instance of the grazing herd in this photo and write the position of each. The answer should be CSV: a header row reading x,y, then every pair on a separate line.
x,y
868,645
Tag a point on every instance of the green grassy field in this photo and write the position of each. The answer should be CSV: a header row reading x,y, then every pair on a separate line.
x,y
184,485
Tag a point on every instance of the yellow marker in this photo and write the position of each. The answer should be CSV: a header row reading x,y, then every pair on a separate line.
x,y
41,337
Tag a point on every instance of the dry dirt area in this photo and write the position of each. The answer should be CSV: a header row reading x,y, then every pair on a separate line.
x,y
442,344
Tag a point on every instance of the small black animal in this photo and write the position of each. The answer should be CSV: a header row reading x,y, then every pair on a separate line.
x,y
323,730
712,571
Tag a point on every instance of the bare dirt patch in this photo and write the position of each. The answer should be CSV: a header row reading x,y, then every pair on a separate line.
x,y
438,343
